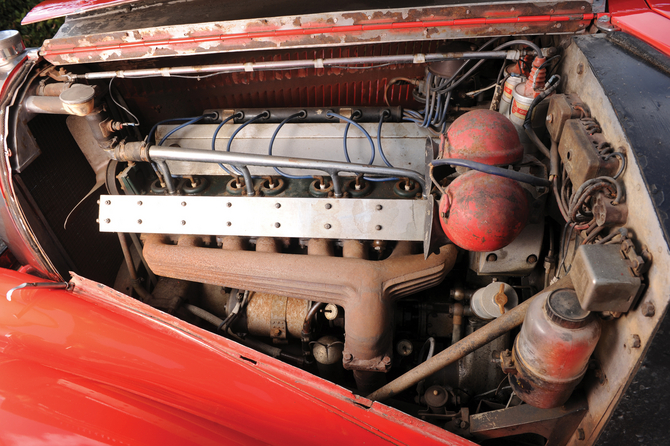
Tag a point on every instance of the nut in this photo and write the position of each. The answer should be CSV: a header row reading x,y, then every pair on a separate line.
x,y
635,341
648,309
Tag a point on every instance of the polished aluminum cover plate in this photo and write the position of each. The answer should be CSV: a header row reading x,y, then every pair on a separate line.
x,y
349,218
403,144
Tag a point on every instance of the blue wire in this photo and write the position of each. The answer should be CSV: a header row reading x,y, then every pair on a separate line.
x,y
272,141
381,152
493,170
237,130
346,130
216,132
155,127
372,145
192,121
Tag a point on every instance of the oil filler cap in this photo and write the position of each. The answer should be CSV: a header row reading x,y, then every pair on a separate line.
x,y
11,46
563,308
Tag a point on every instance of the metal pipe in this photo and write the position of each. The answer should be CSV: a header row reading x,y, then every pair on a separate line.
x,y
167,176
139,289
465,346
135,151
365,289
45,104
248,181
289,64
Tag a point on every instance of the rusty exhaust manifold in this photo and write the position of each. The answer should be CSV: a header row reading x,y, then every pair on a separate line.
x,y
365,289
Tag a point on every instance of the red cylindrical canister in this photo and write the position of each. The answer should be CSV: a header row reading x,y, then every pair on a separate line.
x,y
484,136
483,212
552,351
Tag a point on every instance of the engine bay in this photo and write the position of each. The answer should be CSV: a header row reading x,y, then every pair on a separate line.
x,y
443,226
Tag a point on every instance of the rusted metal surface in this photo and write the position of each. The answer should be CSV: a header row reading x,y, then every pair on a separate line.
x,y
616,362
468,344
169,294
556,425
366,289
482,212
583,151
76,43
275,316
154,99
552,351
484,136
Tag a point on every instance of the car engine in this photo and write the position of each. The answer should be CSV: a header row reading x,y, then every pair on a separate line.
x,y
444,225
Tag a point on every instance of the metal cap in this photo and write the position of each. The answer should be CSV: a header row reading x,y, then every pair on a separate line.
x,y
77,94
563,308
11,46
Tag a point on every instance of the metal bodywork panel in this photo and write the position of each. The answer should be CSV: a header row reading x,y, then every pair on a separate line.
x,y
115,350
124,33
602,65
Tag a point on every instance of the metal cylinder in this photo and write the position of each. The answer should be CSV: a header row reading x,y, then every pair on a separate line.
x,y
506,99
552,351
520,104
274,316
78,99
11,46
485,305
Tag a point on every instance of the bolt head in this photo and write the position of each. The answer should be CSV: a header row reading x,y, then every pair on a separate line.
x,y
107,220
183,203
277,205
635,341
328,206
107,202
378,228
648,309
139,203
378,207
327,226
277,224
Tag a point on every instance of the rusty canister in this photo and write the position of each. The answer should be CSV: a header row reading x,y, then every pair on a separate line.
x,y
552,351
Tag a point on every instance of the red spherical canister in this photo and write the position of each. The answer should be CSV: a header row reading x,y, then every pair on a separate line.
x,y
484,136
482,212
